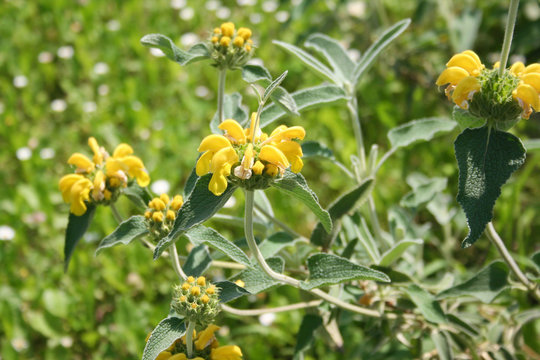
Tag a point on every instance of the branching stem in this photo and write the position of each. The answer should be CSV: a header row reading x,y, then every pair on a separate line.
x,y
221,94
257,312
189,338
176,262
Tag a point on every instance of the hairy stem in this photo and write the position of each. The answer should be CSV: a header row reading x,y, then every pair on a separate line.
x,y
116,214
176,262
189,338
508,34
257,312
507,257
221,94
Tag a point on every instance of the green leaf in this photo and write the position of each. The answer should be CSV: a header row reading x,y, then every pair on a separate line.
x,y
314,148
329,269
307,59
190,182
256,279
416,130
484,166
424,193
536,259
394,275
457,321
196,53
140,196
232,109
334,53
199,207
273,86
341,206
167,332
465,119
442,343
426,303
229,291
485,286
204,235
397,250
125,233
296,186
306,334
198,261
285,100
371,53
254,73
77,226
275,243
305,98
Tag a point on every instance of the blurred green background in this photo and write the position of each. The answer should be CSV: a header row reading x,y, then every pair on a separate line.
x,y
74,69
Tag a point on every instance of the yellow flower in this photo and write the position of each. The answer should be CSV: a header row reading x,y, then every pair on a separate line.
x,y
227,29
164,355
228,352
463,67
123,161
244,33
99,152
177,202
238,41
527,93
98,193
83,164
75,190
206,337
249,151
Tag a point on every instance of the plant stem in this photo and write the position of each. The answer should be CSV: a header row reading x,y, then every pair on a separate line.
x,y
508,34
176,262
189,338
221,94
257,312
116,214
499,244
248,228
352,105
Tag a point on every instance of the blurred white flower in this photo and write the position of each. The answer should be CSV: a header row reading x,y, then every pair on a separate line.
x,y
157,52
89,106
136,105
178,4
187,13
223,13
282,16
65,52
212,5
144,134
58,105
103,89
255,18
517,57
45,57
101,68
47,153
202,91
20,81
189,39
270,6
2,107
33,143
66,341
24,153
354,54
19,344
246,2
160,186
6,233
267,319
113,25
356,8
157,125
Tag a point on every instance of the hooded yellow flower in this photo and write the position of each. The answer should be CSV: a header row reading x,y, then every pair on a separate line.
x,y
123,161
461,76
527,93
248,152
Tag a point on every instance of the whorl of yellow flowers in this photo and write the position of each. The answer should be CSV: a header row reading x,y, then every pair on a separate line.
x,y
100,179
465,76
230,47
248,153
206,348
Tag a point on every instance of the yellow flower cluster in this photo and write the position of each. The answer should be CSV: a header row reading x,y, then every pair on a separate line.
x,y
206,348
197,300
527,93
224,36
461,75
100,179
162,208
248,152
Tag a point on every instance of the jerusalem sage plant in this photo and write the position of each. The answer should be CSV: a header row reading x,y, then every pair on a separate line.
x,y
352,263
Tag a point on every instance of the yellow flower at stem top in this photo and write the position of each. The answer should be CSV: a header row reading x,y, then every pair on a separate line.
x,y
245,154
161,214
99,180
230,48
527,93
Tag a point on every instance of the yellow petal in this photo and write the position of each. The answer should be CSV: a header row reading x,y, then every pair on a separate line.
x,y
296,164
203,164
464,91
517,68
532,79
271,170
227,29
474,56
451,75
466,62
218,184
234,129
81,162
228,352
98,155
165,198
247,161
164,355
277,130
179,356
206,336
177,202
252,128
65,184
533,68
99,186
213,143
274,156
122,150
225,156
497,65
244,33
131,164
78,194
290,149
528,95
294,132
258,168
143,179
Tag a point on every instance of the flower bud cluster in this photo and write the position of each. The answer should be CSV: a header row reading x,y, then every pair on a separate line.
x,y
231,48
161,214
197,300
